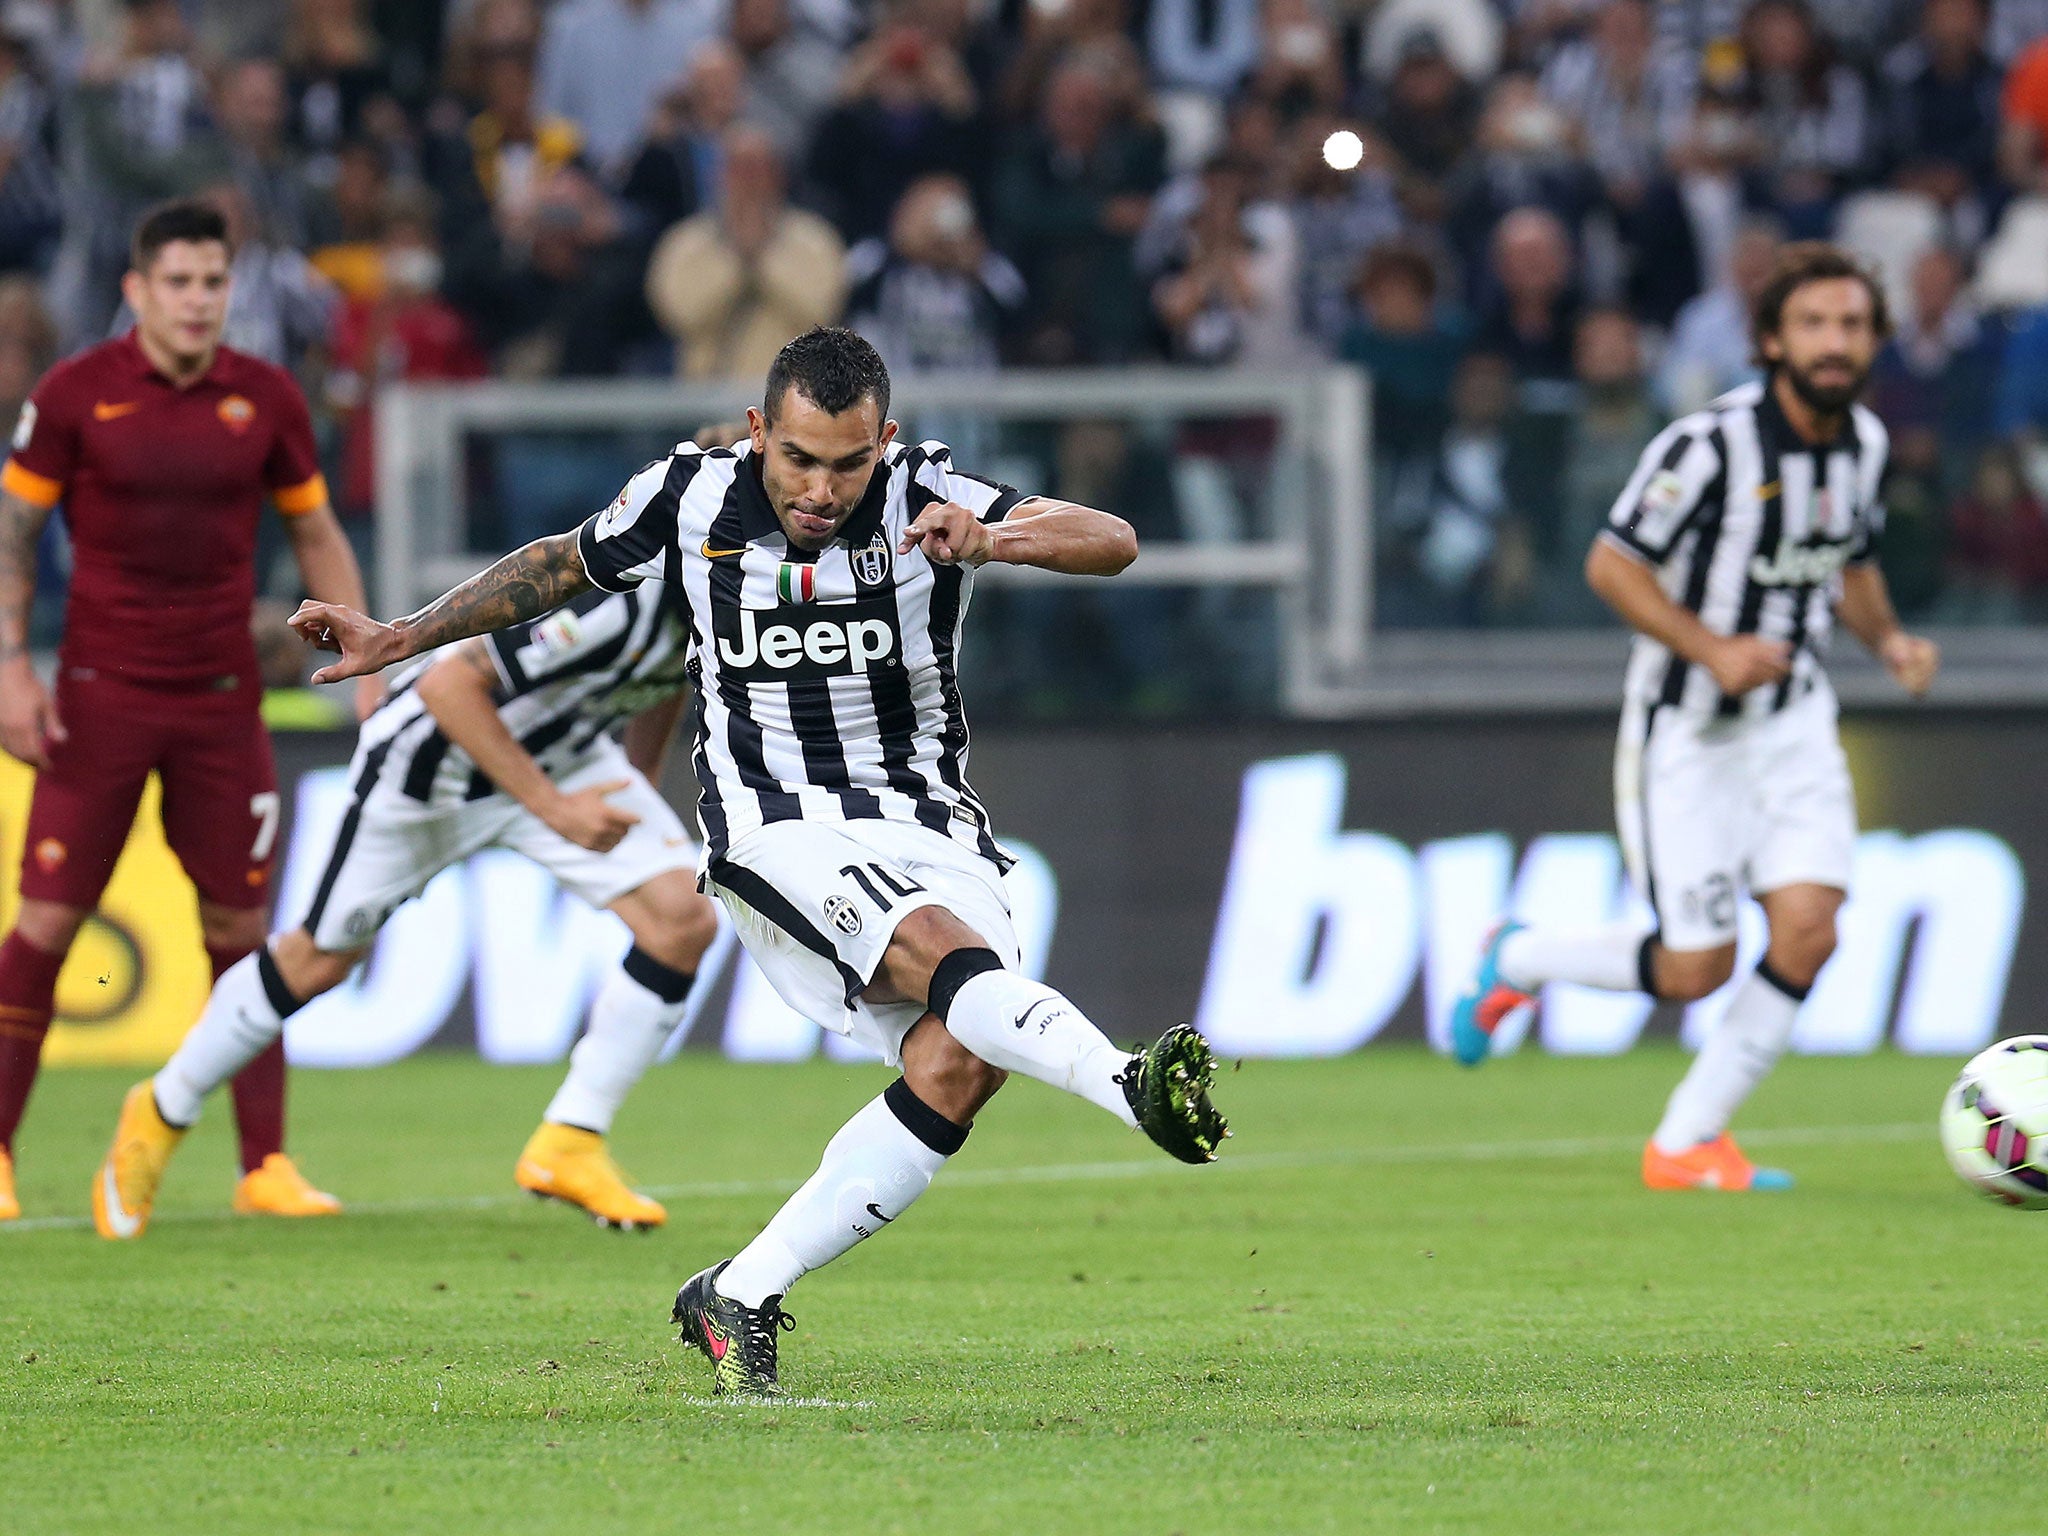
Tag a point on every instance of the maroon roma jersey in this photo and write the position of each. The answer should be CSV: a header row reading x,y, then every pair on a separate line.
x,y
162,488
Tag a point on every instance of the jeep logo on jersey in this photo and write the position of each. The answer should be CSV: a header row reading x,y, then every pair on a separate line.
x,y
871,565
788,643
1799,565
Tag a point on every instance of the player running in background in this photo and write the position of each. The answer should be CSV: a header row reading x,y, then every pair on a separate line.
x,y
162,446
501,743
824,569
1746,531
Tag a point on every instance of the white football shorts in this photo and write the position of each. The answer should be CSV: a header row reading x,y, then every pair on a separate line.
x,y
391,845
817,902
1709,809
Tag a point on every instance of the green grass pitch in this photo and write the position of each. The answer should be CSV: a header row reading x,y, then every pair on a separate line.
x,y
1411,1299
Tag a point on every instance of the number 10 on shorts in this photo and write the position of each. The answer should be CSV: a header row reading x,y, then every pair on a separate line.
x,y
882,879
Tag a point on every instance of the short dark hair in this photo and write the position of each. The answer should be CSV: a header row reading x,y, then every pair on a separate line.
x,y
833,368
1393,261
189,218
1812,261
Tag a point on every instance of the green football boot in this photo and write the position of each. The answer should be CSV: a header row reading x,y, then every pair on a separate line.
x,y
739,1341
1168,1089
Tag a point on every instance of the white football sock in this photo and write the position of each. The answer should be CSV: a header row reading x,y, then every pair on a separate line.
x,y
1608,958
635,1012
241,1017
1737,1056
879,1163
1021,1025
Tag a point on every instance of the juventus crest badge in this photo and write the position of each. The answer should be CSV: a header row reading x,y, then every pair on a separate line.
x,y
871,564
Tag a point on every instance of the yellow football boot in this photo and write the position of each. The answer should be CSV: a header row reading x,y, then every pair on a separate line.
x,y
573,1166
10,1208
277,1188
124,1189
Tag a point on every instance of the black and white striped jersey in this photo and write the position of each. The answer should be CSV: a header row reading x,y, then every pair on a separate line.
x,y
826,686
564,680
1750,527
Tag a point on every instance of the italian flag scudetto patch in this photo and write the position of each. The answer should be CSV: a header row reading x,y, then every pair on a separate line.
x,y
796,583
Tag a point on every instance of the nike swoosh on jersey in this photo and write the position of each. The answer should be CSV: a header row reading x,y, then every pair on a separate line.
x,y
102,411
721,554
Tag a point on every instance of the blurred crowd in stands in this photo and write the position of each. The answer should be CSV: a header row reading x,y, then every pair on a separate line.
x,y
1540,241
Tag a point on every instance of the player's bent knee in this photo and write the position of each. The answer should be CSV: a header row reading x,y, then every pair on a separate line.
x,y
306,969
1800,951
670,921
1686,976
231,928
931,933
920,945
50,926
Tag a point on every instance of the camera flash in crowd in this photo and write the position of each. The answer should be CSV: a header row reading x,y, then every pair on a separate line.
x,y
1343,150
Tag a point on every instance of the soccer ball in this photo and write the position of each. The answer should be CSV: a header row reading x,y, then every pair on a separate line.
x,y
1994,1122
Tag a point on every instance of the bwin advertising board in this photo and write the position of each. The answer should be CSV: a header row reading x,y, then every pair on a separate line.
x,y
1296,891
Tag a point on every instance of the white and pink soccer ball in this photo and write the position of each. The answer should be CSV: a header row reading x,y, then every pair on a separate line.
x,y
1994,1122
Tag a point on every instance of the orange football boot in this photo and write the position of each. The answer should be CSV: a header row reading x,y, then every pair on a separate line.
x,y
565,1163
277,1188
1716,1164
124,1189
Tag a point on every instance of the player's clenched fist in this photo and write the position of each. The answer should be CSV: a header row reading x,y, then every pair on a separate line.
x,y
29,726
363,644
1912,661
949,534
1742,662
589,820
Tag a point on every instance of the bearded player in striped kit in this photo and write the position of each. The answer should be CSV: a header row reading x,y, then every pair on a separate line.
x,y
823,570
1746,531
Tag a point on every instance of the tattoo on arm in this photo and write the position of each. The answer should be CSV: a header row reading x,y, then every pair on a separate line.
x,y
524,585
21,526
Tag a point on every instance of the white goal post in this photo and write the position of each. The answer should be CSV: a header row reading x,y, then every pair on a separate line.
x,y
1315,555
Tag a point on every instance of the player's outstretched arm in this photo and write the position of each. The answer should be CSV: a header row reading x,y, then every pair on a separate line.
x,y
1052,535
524,585
1865,609
28,716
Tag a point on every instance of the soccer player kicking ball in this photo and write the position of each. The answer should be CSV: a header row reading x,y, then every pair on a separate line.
x,y
163,446
1746,531
825,568
501,743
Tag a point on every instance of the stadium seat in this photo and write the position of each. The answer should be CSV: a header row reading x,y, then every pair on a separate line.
x,y
1891,230
2012,272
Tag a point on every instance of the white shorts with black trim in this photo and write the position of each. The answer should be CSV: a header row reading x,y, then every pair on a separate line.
x,y
816,904
391,845
1711,808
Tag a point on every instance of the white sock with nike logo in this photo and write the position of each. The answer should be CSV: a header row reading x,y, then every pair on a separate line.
x,y
879,1163
635,1012
1021,1025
